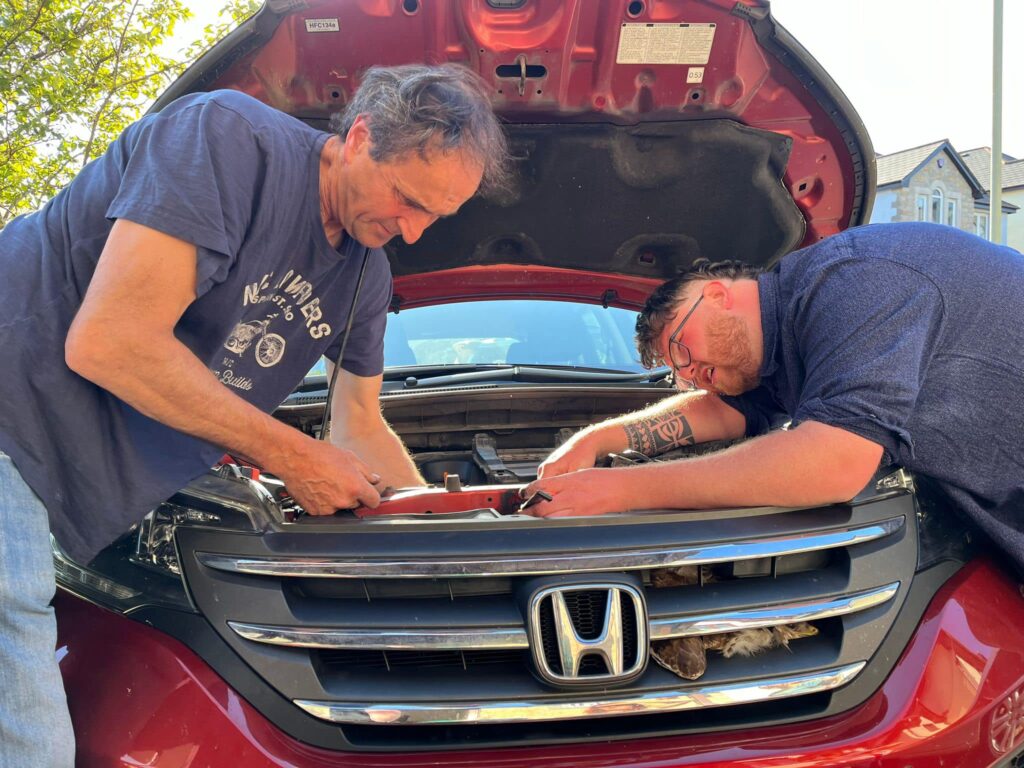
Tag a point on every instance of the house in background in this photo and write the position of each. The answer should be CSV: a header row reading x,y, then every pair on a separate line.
x,y
933,183
980,162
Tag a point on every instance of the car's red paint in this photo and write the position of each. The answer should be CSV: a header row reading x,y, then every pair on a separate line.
x,y
576,41
438,501
508,281
140,698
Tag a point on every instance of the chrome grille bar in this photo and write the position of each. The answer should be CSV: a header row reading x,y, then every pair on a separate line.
x,y
770,616
514,637
537,565
485,639
522,711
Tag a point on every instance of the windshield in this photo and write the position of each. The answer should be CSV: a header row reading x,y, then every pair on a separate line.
x,y
527,332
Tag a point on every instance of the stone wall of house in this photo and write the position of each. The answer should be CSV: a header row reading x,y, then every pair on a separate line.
x,y
949,180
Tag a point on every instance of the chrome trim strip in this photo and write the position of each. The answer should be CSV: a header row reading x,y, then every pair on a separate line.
x,y
515,637
414,568
677,700
490,638
770,616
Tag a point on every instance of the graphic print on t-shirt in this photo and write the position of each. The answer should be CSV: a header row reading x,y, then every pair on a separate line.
x,y
267,336
269,346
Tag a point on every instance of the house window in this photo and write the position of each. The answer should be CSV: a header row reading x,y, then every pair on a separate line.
x,y
937,205
922,208
981,225
951,218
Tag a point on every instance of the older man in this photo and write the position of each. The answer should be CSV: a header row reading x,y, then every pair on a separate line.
x,y
174,293
896,343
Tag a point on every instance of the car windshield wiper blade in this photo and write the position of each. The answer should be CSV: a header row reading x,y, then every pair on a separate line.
x,y
525,373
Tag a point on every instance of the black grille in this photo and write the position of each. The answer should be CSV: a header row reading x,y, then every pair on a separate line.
x,y
547,634
587,610
629,622
591,665
344,660
470,603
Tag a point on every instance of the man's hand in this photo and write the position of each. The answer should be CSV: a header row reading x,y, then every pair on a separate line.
x,y
574,454
357,424
150,277
583,492
323,478
809,465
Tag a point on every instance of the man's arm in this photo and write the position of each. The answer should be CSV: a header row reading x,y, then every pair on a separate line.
x,y
812,464
685,419
357,424
122,339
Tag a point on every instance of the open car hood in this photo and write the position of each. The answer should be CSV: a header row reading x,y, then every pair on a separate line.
x,y
647,133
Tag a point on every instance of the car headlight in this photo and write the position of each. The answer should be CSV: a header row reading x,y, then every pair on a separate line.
x,y
142,567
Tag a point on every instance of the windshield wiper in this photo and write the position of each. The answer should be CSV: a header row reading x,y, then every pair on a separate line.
x,y
522,373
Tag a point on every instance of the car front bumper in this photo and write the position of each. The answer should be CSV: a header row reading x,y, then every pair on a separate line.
x,y
956,697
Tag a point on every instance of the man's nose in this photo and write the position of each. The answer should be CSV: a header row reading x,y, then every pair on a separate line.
x,y
686,378
413,225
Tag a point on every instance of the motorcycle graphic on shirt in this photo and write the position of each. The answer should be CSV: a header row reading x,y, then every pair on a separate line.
x,y
290,298
269,346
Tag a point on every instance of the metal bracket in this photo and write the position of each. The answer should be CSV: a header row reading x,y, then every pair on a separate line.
x,y
521,61
485,454
900,480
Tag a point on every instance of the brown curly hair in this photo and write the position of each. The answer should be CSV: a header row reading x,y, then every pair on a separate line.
x,y
662,304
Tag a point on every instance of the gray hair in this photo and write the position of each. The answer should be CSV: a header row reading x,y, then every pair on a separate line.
x,y
417,107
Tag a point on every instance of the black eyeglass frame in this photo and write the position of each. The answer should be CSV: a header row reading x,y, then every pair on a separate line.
x,y
673,341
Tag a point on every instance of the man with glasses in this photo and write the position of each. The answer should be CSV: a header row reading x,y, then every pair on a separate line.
x,y
890,344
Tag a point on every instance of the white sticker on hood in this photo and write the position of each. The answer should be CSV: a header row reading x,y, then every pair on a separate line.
x,y
665,43
322,25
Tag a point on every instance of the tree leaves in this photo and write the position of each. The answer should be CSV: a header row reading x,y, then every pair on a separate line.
x,y
73,74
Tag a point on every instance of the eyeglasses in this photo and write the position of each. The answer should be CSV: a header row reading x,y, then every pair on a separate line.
x,y
678,353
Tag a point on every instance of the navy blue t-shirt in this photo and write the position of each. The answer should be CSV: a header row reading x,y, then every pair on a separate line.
x,y
240,181
911,336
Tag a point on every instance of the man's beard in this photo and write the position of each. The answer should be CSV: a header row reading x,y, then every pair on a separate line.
x,y
738,369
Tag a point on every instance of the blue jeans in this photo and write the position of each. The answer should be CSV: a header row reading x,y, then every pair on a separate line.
x,y
35,727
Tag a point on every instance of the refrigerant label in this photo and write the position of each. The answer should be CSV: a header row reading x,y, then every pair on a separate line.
x,y
665,43
322,25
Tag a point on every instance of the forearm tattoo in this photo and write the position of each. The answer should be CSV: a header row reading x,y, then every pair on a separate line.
x,y
659,433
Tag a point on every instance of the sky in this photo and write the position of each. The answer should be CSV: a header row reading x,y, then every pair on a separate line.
x,y
915,70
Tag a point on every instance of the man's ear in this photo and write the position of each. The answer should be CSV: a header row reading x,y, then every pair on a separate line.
x,y
358,137
718,293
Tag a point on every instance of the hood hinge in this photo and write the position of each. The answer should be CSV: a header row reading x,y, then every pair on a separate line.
x,y
900,480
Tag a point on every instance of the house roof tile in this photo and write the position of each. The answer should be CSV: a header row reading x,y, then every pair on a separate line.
x,y
899,165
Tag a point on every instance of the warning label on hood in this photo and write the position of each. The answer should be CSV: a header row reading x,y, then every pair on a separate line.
x,y
322,25
665,43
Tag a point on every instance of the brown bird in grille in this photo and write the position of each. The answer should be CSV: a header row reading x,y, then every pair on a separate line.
x,y
687,656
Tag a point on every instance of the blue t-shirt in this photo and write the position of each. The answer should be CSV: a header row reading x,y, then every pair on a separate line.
x,y
911,336
240,181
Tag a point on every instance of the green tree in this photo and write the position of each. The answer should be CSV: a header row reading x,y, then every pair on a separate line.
x,y
73,74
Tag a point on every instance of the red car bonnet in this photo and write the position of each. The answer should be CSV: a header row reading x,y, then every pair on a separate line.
x,y
647,134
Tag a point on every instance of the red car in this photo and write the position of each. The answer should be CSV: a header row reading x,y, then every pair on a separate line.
x,y
446,627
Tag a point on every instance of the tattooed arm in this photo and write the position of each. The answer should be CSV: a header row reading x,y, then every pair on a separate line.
x,y
812,464
685,419
658,434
